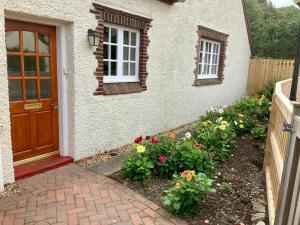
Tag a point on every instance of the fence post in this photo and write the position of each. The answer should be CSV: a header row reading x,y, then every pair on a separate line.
x,y
288,177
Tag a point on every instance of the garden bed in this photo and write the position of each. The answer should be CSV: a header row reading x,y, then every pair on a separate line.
x,y
239,182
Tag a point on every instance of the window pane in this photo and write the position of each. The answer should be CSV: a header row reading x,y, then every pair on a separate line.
x,y
202,46
126,53
132,54
45,88
114,35
28,41
113,52
44,66
125,69
44,44
106,34
12,41
105,68
30,65
13,65
31,89
132,69
126,38
133,39
200,68
15,90
105,53
113,69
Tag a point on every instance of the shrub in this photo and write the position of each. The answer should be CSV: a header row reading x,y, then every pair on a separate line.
x,y
137,166
259,132
217,138
188,192
190,155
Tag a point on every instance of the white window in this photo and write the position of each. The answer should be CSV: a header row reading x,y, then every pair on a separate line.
x,y
121,54
209,59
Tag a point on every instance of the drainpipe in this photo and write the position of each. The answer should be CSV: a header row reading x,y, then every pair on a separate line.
x,y
293,94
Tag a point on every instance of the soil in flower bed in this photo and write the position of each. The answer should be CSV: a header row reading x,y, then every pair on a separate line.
x,y
238,182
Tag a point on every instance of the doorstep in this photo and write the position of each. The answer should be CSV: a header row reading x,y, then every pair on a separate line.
x,y
41,166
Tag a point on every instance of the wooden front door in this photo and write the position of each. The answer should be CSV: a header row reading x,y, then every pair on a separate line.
x,y
32,80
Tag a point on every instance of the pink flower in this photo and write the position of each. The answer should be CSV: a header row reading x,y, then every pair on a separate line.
x,y
154,140
138,140
162,159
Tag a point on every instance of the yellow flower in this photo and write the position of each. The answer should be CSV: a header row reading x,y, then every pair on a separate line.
x,y
222,127
241,115
139,148
177,185
241,121
205,123
224,123
193,173
242,126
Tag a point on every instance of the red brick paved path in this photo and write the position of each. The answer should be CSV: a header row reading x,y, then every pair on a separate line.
x,y
73,195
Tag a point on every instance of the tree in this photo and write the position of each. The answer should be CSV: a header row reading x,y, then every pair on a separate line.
x,y
274,30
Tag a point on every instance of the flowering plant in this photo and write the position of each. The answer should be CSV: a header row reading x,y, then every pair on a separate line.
x,y
188,192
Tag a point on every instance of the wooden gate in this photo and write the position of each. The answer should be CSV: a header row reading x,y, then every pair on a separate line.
x,y
282,159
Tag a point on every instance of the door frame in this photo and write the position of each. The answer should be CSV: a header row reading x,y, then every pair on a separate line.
x,y
62,87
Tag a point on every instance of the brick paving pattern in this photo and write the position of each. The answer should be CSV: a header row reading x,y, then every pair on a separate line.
x,y
73,195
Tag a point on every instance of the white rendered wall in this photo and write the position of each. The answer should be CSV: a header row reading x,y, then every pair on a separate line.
x,y
99,123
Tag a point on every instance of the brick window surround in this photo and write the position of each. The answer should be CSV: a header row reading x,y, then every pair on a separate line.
x,y
207,33
107,15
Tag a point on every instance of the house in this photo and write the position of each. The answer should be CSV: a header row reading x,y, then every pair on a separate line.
x,y
157,65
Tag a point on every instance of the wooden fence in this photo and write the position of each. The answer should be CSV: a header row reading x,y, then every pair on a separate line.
x,y
277,150
264,71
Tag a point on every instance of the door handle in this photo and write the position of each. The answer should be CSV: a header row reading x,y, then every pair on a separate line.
x,y
54,105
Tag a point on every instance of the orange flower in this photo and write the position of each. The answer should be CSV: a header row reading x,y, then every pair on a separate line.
x,y
177,185
189,177
198,146
171,134
185,173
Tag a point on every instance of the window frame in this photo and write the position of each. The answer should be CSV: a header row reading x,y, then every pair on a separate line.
x,y
120,77
202,63
204,33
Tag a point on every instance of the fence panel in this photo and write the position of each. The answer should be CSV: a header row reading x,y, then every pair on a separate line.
x,y
264,71
276,146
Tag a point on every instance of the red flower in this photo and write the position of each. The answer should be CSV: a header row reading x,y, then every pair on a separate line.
x,y
198,146
162,159
138,140
154,140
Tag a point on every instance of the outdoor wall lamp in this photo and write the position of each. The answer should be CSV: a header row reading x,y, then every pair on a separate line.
x,y
93,37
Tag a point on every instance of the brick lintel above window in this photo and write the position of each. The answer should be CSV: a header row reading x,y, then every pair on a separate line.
x,y
210,59
105,15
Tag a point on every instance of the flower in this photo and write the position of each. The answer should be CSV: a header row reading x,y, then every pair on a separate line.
x,y
219,120
171,134
138,140
222,127
221,111
162,159
205,123
242,126
154,140
183,139
241,115
189,177
188,135
139,148
177,185
236,123
198,146
225,123
147,138
241,121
